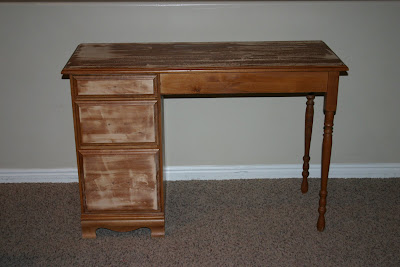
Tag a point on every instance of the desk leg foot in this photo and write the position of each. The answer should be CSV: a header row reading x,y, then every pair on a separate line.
x,y
307,138
321,210
304,183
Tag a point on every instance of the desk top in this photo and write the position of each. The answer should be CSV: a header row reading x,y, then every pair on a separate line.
x,y
220,56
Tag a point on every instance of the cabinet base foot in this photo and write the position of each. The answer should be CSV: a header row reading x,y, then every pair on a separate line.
x,y
156,226
157,231
89,232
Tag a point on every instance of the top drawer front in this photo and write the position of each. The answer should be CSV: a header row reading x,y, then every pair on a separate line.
x,y
115,85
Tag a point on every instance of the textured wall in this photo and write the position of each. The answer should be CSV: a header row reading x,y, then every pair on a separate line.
x,y
37,40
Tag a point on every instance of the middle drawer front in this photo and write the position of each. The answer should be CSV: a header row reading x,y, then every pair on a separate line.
x,y
117,122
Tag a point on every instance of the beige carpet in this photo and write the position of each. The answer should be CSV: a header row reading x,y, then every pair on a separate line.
x,y
212,223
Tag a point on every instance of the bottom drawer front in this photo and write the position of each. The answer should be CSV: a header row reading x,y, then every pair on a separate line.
x,y
120,181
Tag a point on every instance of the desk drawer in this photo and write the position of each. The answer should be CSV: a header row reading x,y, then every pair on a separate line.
x,y
242,83
115,85
120,180
104,122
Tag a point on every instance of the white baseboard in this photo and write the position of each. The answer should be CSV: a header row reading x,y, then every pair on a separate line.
x,y
66,175
376,170
177,173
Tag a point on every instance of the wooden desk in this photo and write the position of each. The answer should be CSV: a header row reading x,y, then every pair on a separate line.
x,y
117,91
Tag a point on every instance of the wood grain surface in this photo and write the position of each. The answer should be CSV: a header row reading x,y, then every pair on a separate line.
x,y
156,57
117,121
120,180
242,83
115,85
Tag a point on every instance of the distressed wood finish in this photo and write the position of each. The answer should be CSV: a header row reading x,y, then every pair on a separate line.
x,y
242,83
117,121
117,94
114,85
223,56
120,180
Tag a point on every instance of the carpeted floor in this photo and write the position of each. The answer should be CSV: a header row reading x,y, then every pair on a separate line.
x,y
212,223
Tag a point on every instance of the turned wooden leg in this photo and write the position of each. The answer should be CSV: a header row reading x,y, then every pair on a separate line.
x,y
330,103
326,159
307,139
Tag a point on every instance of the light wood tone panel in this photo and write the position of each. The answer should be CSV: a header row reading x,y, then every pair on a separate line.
x,y
115,85
105,122
242,83
120,180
